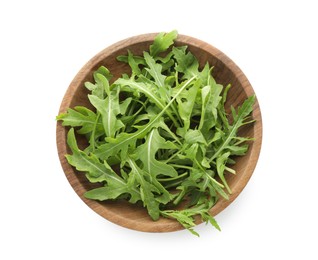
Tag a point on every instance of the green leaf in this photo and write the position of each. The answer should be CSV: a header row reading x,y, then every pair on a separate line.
x,y
162,42
186,62
194,137
101,77
82,161
103,84
80,117
123,106
106,193
186,217
155,70
147,151
135,62
220,166
191,151
242,113
210,95
102,70
109,109
143,87
97,172
215,187
186,103
121,143
237,150
183,217
146,190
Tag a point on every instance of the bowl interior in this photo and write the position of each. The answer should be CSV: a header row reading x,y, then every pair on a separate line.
x,y
225,71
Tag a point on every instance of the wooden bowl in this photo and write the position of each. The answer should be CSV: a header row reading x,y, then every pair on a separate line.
x,y
225,71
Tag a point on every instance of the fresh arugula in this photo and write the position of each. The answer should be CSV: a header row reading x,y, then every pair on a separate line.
x,y
166,128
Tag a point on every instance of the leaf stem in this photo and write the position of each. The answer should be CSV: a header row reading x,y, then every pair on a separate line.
x,y
208,175
181,166
174,155
92,138
173,178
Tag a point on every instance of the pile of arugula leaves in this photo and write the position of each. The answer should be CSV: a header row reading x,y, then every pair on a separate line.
x,y
165,128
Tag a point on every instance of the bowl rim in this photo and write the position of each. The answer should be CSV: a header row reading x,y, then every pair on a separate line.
x,y
98,58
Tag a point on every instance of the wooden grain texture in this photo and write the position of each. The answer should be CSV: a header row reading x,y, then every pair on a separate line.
x,y
225,71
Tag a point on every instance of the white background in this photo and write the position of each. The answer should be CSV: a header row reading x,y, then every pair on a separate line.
x,y
44,44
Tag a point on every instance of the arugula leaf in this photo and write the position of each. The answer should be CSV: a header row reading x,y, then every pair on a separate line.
x,y
108,108
239,119
194,137
162,42
146,190
220,167
210,100
134,62
142,87
147,151
155,70
186,102
80,117
186,62
98,172
186,216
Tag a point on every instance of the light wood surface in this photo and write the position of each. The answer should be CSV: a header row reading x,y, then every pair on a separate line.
x,y
225,71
